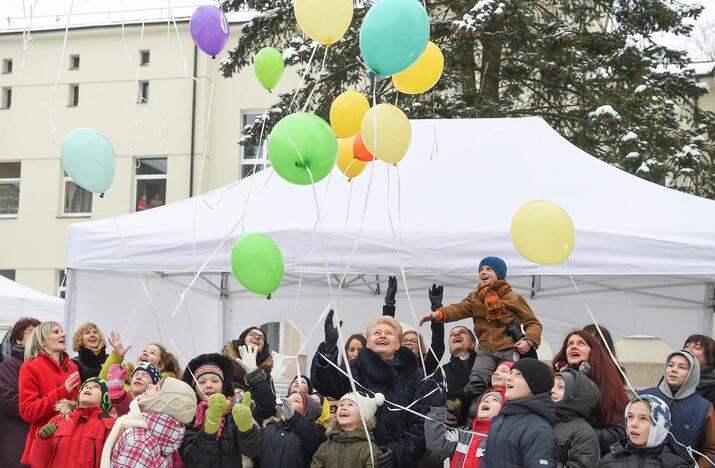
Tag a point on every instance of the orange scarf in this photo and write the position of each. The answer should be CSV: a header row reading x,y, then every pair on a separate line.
x,y
490,295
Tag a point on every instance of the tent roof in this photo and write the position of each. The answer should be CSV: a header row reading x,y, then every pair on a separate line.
x,y
446,205
18,301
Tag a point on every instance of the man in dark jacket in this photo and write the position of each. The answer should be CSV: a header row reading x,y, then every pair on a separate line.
x,y
461,347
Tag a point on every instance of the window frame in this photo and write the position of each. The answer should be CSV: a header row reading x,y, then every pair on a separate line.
x,y
142,93
63,192
14,273
12,180
73,93
142,63
138,177
7,66
72,65
261,160
61,283
4,102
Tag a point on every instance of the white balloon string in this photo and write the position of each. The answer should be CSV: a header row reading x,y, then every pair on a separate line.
x,y
302,78
27,32
317,82
51,110
172,19
124,39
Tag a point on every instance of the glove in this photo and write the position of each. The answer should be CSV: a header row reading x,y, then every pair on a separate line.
x,y
435,296
242,415
387,459
285,409
217,405
331,333
115,381
248,358
47,430
391,291
450,419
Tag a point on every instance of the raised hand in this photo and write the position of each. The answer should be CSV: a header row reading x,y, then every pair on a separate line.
x,y
427,318
242,415
391,291
285,409
248,358
217,405
435,296
115,381
331,333
116,342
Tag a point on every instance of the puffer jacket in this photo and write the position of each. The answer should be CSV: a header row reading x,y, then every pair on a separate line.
x,y
627,455
290,444
578,444
466,449
522,435
343,449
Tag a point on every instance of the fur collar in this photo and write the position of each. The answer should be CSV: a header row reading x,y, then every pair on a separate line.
x,y
385,371
239,374
88,359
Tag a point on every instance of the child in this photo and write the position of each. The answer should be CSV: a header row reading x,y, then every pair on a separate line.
x,y
465,448
151,433
153,353
499,377
348,444
144,375
498,314
575,396
523,433
647,424
223,433
75,437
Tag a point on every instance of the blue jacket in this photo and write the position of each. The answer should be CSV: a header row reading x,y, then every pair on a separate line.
x,y
523,435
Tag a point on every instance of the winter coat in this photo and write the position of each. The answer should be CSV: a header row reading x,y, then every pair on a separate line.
x,y
41,385
522,435
88,363
401,381
706,386
14,429
77,442
578,444
200,449
153,447
258,382
627,455
466,449
323,374
343,449
457,372
434,351
492,335
289,444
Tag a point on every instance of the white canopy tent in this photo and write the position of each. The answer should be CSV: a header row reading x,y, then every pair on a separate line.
x,y
644,259
18,301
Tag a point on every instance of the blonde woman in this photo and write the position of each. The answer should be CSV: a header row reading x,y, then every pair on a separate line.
x,y
88,342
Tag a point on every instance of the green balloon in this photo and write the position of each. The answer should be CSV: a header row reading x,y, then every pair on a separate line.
x,y
88,157
269,67
302,144
257,263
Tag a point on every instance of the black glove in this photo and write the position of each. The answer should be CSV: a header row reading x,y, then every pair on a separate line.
x,y
387,459
514,331
391,291
331,333
435,296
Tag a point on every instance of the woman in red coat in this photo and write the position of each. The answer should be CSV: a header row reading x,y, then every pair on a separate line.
x,y
47,376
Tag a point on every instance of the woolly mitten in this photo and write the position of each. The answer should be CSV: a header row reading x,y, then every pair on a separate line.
x,y
242,415
115,381
47,431
217,405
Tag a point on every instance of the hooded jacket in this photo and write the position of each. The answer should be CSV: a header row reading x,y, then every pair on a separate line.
x,y
522,435
457,372
291,443
88,363
342,449
578,444
466,449
627,455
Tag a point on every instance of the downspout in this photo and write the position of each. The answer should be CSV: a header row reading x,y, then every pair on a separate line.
x,y
193,123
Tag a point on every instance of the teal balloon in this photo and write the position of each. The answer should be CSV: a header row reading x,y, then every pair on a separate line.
x,y
393,35
257,263
89,158
302,144
269,67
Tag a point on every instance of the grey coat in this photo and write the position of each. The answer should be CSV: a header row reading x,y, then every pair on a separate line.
x,y
578,444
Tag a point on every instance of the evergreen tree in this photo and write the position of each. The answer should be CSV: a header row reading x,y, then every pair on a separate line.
x,y
590,68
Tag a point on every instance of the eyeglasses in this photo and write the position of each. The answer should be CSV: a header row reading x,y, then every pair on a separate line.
x,y
409,341
256,336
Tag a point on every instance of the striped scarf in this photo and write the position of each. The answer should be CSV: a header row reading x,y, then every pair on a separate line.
x,y
490,294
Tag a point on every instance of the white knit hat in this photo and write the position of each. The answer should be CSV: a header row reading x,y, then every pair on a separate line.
x,y
175,399
368,406
406,328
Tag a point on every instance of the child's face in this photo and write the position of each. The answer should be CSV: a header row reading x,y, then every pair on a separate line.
x,y
152,353
298,385
677,371
91,395
557,392
488,408
354,349
487,275
209,384
140,382
348,415
296,402
638,423
500,375
149,392
516,386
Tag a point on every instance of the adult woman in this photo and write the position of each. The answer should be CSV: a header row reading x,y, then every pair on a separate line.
x,y
88,342
153,353
13,427
47,376
703,348
584,353
692,419
607,344
386,367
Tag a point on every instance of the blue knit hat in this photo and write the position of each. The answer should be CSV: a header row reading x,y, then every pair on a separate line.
x,y
497,264
150,369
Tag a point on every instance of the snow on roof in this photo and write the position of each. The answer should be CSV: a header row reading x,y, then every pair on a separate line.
x,y
703,68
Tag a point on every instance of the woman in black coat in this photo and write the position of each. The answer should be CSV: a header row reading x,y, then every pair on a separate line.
x,y
703,348
88,342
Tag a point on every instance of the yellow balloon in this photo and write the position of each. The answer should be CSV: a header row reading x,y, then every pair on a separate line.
x,y
423,74
393,136
543,232
346,113
324,21
347,163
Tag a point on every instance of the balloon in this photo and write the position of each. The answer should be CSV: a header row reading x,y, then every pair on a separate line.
x,y
209,29
346,113
269,67
393,132
360,150
89,158
347,163
257,263
299,142
324,21
423,74
393,35
543,232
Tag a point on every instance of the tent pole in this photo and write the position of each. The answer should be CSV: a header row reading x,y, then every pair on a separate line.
x,y
535,286
225,319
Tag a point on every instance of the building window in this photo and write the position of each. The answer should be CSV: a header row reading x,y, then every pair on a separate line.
x,y
73,95
77,201
272,333
9,189
144,58
6,98
7,66
150,188
9,274
61,283
74,62
143,92
254,158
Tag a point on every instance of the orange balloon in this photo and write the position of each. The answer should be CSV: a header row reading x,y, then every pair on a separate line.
x,y
360,150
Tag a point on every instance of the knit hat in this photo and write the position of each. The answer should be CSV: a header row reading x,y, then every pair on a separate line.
x,y
176,399
368,406
497,264
536,373
313,407
307,381
105,403
659,418
209,368
150,369
498,395
211,363
509,364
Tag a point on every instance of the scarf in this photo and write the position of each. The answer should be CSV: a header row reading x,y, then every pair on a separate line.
x,y
659,418
18,350
491,295
201,416
132,419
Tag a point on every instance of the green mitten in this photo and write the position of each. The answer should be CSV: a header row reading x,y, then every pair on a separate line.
x,y
217,405
47,431
242,415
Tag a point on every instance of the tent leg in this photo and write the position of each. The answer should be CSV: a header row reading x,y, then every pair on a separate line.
x,y
535,286
226,318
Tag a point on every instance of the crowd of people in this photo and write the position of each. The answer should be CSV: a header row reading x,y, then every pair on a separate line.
x,y
382,401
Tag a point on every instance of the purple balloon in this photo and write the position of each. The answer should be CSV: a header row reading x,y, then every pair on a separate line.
x,y
209,29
